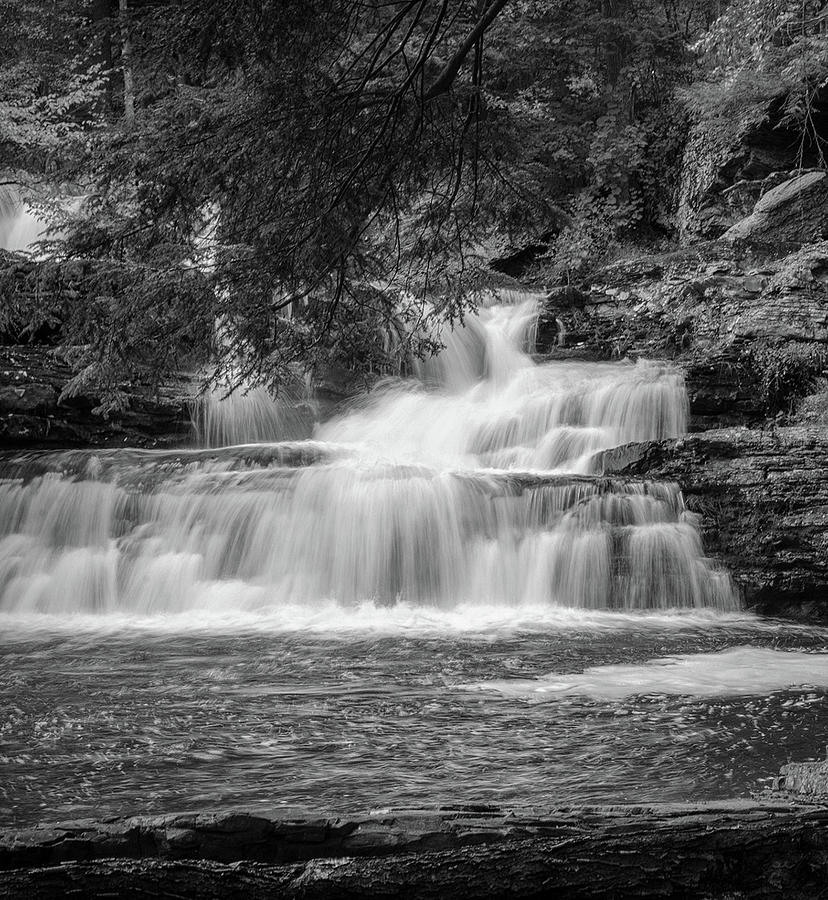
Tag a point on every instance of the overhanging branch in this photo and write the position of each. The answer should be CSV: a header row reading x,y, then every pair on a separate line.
x,y
445,79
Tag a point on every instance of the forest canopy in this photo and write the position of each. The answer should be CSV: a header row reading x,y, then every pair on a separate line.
x,y
273,182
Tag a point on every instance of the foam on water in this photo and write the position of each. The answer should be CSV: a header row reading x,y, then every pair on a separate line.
x,y
739,671
473,486
494,407
328,619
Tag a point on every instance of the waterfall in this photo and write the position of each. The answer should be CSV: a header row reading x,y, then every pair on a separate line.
x,y
20,228
247,415
474,484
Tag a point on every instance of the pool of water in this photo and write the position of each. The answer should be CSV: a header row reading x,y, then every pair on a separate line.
x,y
376,707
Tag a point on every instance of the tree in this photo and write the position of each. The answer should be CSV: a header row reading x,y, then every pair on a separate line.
x,y
271,183
334,153
763,53
48,84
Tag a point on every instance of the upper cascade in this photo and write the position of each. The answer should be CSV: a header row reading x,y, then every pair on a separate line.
x,y
484,402
475,483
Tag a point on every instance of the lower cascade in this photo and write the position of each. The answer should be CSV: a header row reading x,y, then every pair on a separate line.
x,y
478,482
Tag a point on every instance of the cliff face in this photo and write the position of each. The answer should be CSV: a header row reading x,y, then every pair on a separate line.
x,y
750,330
742,307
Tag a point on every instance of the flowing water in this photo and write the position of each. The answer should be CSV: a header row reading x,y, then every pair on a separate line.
x,y
20,226
438,598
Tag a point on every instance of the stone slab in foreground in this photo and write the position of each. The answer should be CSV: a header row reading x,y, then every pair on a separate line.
x,y
753,849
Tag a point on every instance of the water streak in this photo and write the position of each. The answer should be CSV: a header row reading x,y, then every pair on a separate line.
x,y
20,227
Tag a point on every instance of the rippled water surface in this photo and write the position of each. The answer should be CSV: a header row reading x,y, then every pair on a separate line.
x,y
394,707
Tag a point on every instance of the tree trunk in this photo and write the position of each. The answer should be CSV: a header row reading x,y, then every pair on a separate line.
x,y
101,12
443,82
613,50
126,64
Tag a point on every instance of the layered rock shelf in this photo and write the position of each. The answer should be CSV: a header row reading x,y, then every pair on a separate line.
x,y
750,330
772,848
762,500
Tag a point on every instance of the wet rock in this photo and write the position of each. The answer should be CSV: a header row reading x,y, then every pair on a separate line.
x,y
733,848
31,416
27,398
762,498
807,780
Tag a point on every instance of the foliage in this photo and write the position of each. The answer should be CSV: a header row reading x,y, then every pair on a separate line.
x,y
759,51
49,82
315,179
34,298
785,371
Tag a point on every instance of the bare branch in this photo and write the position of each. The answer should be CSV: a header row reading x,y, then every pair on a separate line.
x,y
445,79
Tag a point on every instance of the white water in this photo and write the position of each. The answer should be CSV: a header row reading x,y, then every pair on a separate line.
x,y
472,488
20,228
224,418
732,672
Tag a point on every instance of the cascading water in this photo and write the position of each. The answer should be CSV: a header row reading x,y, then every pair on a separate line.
x,y
474,485
223,418
437,599
20,228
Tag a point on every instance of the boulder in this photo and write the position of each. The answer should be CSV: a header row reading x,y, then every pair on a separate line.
x,y
789,215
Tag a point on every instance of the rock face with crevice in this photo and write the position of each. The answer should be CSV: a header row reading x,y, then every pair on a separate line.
x,y
731,163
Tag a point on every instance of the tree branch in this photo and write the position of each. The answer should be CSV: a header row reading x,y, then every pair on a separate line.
x,y
446,78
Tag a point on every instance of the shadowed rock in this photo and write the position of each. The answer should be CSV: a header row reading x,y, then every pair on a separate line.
x,y
769,848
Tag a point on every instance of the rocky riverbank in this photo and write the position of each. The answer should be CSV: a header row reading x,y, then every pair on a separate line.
x,y
742,308
33,415
761,497
750,333
739,848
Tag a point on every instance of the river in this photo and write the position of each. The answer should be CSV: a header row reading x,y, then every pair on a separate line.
x,y
436,599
